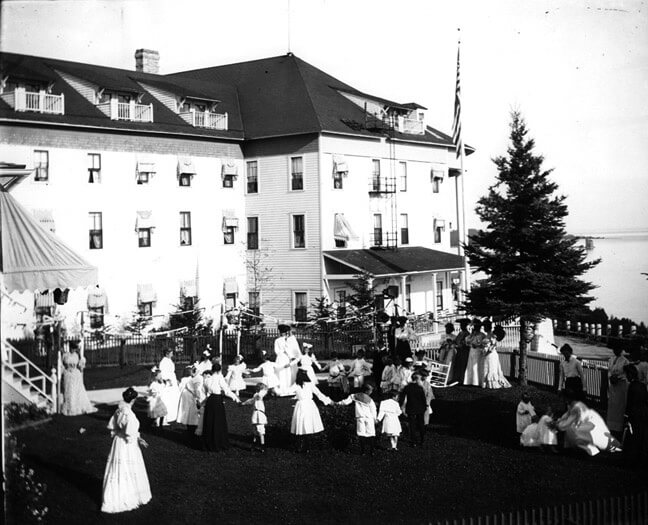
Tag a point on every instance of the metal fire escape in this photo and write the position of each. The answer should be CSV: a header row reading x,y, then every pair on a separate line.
x,y
382,187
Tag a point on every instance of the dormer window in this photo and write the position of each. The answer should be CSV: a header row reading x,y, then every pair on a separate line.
x,y
32,96
124,106
202,115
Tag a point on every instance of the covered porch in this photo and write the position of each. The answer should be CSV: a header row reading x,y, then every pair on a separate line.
x,y
408,280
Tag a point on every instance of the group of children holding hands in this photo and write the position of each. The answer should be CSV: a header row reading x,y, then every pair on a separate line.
x,y
403,391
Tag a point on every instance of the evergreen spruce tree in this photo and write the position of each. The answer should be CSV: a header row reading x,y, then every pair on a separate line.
x,y
532,266
361,302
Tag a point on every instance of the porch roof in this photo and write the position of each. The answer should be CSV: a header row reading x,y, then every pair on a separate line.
x,y
383,262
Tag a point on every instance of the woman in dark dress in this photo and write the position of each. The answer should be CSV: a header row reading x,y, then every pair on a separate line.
x,y
635,444
214,428
458,369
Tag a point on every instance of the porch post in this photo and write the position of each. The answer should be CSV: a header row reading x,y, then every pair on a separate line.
x,y
434,302
403,289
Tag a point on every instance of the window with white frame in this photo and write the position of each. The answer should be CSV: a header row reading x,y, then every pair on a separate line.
x,y
338,177
96,230
145,170
439,226
402,175
228,234
252,233
404,228
299,231
254,305
185,228
436,185
375,174
94,168
252,176
301,306
145,309
377,229
184,179
41,165
437,178
144,237
296,173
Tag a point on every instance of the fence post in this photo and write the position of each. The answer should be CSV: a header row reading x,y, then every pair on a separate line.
x,y
122,353
604,385
514,364
556,374
56,388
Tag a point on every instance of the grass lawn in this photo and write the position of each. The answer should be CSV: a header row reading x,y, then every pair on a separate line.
x,y
470,464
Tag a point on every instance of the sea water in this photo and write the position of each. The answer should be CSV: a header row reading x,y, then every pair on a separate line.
x,y
621,290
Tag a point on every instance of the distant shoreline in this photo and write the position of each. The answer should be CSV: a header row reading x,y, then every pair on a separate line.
x,y
609,234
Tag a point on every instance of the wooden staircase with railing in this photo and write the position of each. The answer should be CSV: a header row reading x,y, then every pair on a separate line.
x,y
24,382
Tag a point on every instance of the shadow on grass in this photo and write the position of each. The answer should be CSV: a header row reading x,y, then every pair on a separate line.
x,y
83,481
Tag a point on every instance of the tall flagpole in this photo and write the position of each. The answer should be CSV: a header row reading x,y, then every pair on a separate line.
x,y
459,180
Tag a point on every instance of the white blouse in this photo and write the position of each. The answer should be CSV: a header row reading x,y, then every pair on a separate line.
x,y
216,384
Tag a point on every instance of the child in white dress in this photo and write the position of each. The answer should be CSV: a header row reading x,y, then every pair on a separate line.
x,y
541,434
259,419
157,410
365,414
306,419
189,395
200,402
388,414
308,361
388,374
359,370
269,378
337,380
234,377
524,413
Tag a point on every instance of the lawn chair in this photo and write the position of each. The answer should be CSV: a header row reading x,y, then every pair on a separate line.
x,y
439,373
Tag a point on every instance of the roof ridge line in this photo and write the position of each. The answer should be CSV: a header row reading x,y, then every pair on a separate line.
x,y
310,99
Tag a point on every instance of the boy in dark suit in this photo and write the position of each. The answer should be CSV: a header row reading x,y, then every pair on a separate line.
x,y
413,404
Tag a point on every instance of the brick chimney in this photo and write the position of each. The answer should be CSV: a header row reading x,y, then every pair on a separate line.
x,y
147,61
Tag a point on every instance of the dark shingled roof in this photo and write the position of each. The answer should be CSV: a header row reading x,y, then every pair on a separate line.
x,y
379,262
264,98
284,95
80,111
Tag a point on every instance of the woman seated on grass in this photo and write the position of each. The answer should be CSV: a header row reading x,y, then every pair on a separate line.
x,y
584,428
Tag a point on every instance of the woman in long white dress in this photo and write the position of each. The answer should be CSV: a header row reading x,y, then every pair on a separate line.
x,y
75,397
585,429
492,368
189,397
306,419
125,485
282,367
477,341
170,394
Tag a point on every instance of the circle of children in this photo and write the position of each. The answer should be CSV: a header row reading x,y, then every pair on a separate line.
x,y
405,390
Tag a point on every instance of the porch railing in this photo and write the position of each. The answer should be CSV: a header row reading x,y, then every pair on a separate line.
x,y
127,111
205,119
33,377
39,102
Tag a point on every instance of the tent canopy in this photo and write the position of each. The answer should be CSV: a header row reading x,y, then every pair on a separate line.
x,y
35,259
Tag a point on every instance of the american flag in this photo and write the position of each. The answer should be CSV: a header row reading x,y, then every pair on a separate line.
x,y
456,125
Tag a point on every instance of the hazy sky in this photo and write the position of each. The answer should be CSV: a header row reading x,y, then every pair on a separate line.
x,y
578,71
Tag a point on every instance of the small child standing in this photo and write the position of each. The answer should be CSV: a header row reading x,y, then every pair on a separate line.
x,y
388,374
524,413
259,419
234,376
388,414
359,370
200,402
337,381
157,410
365,413
269,378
